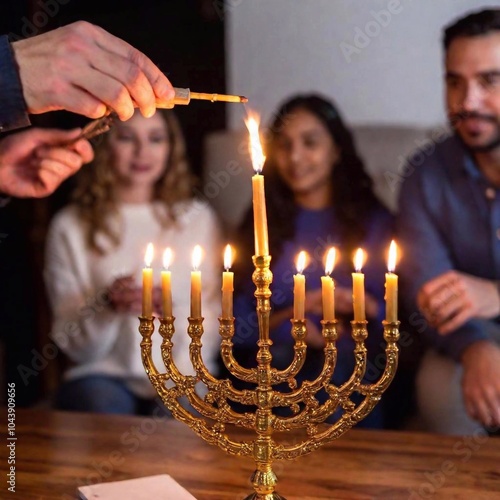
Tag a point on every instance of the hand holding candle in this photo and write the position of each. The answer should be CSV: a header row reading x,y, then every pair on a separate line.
x,y
259,200
328,287
166,287
299,288
358,287
391,286
147,283
227,284
196,283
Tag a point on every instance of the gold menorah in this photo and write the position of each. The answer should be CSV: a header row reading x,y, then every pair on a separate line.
x,y
214,410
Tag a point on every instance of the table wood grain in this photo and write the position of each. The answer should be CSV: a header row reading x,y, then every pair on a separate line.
x,y
58,451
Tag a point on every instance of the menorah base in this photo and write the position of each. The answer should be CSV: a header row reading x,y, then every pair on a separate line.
x,y
271,496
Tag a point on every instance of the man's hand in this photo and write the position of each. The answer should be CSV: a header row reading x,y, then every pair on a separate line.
x,y
453,298
481,382
84,69
34,162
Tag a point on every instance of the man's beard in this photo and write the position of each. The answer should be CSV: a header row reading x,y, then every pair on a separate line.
x,y
492,144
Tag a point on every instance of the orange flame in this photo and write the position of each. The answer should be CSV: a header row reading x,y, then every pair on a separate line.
x,y
167,257
391,261
256,153
228,257
301,262
330,261
359,260
196,259
148,258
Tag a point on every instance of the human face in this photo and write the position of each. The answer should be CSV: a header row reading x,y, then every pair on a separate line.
x,y
140,149
473,90
305,154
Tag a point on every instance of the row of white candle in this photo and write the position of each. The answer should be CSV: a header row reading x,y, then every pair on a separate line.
x,y
358,287
299,290
166,283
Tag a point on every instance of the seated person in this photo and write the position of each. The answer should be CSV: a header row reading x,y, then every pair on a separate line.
x,y
138,190
318,195
448,228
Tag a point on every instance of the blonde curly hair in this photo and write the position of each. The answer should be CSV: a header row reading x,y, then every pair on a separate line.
x,y
95,198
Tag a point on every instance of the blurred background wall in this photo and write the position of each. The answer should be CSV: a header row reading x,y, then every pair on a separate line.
x,y
379,59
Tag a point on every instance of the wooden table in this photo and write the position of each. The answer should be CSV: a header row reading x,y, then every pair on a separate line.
x,y
56,452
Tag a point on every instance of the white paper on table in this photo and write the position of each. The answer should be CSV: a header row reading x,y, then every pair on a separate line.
x,y
161,487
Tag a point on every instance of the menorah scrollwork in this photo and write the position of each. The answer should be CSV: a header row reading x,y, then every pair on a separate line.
x,y
214,410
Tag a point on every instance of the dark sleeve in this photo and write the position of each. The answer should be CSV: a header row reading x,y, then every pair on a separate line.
x,y
13,110
425,256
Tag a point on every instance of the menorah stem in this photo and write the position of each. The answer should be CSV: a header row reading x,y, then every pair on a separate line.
x,y
264,480
226,331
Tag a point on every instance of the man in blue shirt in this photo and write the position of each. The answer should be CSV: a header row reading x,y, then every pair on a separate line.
x,y
449,229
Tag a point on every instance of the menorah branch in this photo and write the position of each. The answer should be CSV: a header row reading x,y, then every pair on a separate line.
x,y
308,388
300,347
226,331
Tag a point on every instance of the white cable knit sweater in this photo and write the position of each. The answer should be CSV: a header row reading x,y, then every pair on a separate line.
x,y
101,341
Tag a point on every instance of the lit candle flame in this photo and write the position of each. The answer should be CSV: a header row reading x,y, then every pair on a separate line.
x,y
197,255
301,261
391,262
256,153
167,258
330,261
148,258
228,257
359,260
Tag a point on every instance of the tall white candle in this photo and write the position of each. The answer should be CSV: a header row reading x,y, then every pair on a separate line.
x,y
328,287
358,287
227,284
260,215
258,194
196,283
299,288
166,283
147,283
391,286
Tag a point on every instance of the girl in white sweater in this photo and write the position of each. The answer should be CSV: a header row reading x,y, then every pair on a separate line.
x,y
138,190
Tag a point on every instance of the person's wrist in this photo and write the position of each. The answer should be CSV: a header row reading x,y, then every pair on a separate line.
x,y
470,352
